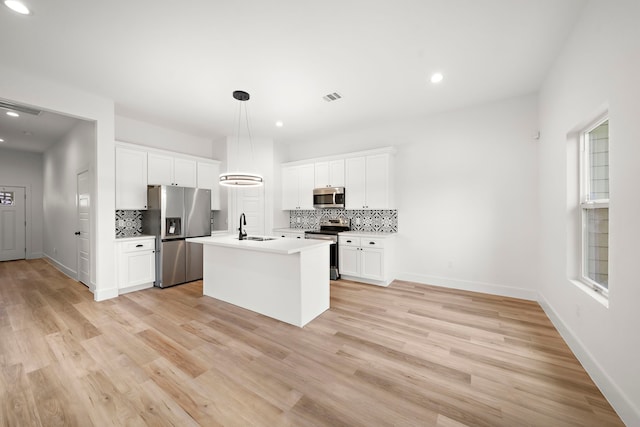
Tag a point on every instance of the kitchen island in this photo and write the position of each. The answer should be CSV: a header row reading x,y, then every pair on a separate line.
x,y
286,279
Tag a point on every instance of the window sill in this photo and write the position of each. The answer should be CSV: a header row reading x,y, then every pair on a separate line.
x,y
589,291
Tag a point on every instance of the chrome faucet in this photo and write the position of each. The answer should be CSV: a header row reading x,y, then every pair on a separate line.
x,y
243,221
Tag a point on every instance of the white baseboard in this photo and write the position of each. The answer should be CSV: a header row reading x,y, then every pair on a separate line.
x,y
73,274
467,285
367,281
105,294
628,411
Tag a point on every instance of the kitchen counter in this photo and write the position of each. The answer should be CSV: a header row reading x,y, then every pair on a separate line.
x,y
367,234
134,238
286,279
277,245
291,230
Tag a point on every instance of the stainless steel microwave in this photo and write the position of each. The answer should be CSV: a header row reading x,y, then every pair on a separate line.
x,y
328,197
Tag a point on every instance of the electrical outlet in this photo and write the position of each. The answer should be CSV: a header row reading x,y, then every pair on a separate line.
x,y
450,264
121,223
298,220
357,221
55,251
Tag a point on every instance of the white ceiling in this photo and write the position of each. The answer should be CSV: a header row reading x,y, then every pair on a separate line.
x,y
175,64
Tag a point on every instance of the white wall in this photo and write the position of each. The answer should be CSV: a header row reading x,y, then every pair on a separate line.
x,y
37,91
150,135
73,154
599,66
24,169
466,193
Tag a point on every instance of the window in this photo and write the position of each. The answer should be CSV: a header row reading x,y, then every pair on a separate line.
x,y
594,203
6,198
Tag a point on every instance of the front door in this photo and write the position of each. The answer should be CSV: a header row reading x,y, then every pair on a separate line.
x,y
84,228
12,223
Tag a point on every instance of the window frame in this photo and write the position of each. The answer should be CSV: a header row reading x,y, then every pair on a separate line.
x,y
586,203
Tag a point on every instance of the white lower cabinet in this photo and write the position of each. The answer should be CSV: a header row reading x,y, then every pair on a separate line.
x,y
366,258
136,263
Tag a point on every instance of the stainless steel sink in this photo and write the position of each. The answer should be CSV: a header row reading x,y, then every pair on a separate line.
x,y
259,239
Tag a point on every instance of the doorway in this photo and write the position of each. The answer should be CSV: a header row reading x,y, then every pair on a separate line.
x,y
12,223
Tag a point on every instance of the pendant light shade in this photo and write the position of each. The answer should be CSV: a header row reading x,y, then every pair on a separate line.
x,y
238,179
241,179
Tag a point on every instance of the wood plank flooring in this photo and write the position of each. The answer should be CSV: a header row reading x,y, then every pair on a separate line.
x,y
406,355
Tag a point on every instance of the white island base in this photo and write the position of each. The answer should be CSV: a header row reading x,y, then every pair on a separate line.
x,y
285,279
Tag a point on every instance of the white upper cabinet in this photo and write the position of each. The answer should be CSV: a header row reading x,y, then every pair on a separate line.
x,y
165,169
368,182
131,179
185,172
297,187
209,177
329,173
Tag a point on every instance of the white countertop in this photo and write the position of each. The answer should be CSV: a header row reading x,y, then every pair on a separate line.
x,y
278,245
367,234
134,238
291,230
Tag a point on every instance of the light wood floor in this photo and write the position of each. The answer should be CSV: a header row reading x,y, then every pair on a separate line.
x,y
406,355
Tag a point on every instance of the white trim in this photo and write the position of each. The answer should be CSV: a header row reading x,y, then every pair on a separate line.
x,y
628,411
359,279
467,285
153,150
105,294
385,150
71,273
35,255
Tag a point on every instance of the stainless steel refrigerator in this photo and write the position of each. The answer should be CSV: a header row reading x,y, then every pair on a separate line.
x,y
174,214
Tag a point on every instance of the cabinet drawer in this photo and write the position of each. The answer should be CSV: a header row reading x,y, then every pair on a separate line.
x,y
349,241
139,245
366,242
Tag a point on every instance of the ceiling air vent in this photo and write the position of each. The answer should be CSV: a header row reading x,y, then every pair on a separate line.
x,y
6,105
332,97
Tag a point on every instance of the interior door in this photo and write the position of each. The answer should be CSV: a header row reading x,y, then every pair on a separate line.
x,y
12,223
84,227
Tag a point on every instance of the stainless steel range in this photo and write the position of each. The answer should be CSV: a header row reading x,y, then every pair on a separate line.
x,y
329,231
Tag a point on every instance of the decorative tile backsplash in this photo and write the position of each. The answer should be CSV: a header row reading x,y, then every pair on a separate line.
x,y
384,221
128,223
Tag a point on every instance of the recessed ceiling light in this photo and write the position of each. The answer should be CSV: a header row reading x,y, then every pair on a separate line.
x,y
279,123
1,140
17,6
13,114
436,77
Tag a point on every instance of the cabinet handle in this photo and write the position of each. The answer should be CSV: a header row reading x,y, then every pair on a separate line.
x,y
372,243
348,241
139,246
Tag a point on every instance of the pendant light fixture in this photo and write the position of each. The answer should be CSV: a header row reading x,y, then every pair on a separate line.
x,y
241,179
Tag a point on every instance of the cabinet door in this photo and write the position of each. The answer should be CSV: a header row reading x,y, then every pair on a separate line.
x,y
349,260
160,169
322,174
131,179
140,268
336,173
355,169
372,263
290,188
184,172
306,182
377,182
209,177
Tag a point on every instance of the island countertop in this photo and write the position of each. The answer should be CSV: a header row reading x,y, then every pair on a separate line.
x,y
277,245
